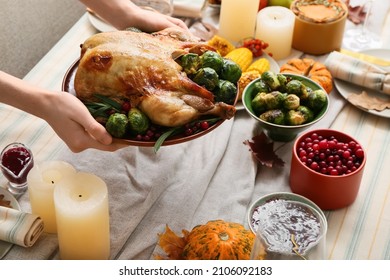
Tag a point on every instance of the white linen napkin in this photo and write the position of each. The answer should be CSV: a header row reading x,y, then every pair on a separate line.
x,y
19,227
358,72
188,8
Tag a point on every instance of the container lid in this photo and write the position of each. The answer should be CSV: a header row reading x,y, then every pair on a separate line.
x,y
319,11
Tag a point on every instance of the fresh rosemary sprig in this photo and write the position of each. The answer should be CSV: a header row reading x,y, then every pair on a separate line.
x,y
164,136
176,130
102,108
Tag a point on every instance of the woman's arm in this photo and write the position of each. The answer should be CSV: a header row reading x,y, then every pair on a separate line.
x,y
123,14
65,113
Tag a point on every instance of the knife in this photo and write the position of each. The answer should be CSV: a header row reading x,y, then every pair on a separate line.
x,y
366,57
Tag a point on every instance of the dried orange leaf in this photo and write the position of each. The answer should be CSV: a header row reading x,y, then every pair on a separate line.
x,y
172,244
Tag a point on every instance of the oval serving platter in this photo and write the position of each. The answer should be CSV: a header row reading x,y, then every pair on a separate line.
x,y
68,86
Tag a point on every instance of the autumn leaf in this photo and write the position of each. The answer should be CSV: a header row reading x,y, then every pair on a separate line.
x,y
263,150
172,244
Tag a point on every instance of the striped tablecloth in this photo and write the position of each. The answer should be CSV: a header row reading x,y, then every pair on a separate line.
x,y
360,231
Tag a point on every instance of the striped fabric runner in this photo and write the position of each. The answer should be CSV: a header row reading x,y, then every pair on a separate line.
x,y
360,231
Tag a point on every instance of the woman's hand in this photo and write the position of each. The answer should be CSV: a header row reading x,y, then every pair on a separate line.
x,y
73,123
123,14
65,113
150,21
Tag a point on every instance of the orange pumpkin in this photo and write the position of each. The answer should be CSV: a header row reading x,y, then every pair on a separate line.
x,y
216,240
310,68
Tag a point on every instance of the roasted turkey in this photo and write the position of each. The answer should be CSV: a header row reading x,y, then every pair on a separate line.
x,y
141,67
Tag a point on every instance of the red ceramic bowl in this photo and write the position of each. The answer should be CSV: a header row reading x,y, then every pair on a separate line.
x,y
329,192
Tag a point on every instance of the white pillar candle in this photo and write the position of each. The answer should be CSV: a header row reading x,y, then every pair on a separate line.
x,y
81,204
41,180
275,26
237,19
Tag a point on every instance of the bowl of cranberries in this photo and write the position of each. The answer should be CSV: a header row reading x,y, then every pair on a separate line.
x,y
327,167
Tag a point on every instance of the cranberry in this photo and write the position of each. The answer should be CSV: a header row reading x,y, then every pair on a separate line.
x,y
334,172
314,136
204,125
150,133
188,132
126,106
332,144
359,153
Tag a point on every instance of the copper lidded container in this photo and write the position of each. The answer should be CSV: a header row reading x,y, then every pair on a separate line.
x,y
319,25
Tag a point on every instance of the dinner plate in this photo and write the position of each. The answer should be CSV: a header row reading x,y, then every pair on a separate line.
x,y
68,86
6,246
346,88
161,6
99,23
274,67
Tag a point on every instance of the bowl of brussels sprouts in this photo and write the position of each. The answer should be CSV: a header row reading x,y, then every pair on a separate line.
x,y
285,104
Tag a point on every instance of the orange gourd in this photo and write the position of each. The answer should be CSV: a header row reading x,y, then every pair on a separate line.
x,y
215,240
310,68
219,240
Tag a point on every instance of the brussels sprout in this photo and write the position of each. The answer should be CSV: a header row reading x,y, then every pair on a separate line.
x,y
282,81
211,59
317,100
309,90
261,86
271,79
138,121
294,117
299,116
206,77
190,63
225,92
298,88
291,102
117,125
258,103
230,71
274,100
273,116
306,112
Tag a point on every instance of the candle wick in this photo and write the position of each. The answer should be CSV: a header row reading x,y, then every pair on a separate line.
x,y
52,182
80,195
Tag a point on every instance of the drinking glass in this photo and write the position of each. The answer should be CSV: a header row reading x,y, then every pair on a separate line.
x,y
16,162
362,38
296,233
